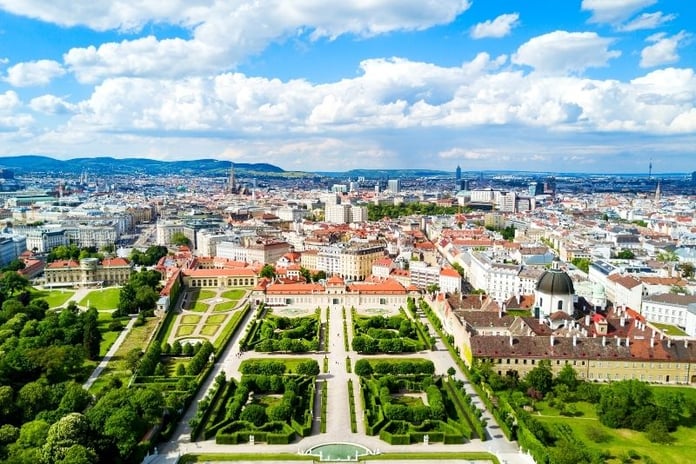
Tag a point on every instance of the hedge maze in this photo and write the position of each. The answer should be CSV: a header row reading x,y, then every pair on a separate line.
x,y
267,403
272,333
403,403
394,334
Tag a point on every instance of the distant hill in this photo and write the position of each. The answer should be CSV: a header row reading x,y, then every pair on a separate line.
x,y
387,173
32,163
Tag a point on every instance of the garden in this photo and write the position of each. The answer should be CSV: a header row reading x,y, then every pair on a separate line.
x,y
561,419
104,299
405,404
393,334
271,333
271,403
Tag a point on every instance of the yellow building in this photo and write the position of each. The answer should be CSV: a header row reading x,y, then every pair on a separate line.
x,y
88,272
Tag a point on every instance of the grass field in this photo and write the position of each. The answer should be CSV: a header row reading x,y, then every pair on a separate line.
x,y
102,299
234,294
225,306
216,319
210,330
670,329
54,298
205,294
620,441
200,307
190,319
184,330
137,338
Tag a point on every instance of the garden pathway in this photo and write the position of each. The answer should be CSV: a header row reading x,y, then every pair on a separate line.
x,y
109,354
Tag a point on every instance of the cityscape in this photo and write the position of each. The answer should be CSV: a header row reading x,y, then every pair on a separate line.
x,y
404,232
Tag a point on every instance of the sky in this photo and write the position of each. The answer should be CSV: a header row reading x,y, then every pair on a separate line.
x,y
596,86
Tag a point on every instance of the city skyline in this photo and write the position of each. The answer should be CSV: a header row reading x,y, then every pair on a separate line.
x,y
592,86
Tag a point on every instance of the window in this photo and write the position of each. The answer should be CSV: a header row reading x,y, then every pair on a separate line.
x,y
560,304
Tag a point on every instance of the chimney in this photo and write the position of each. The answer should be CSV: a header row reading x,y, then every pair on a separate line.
x,y
604,340
618,341
628,341
552,340
587,319
511,342
637,323
686,343
669,343
575,340
623,321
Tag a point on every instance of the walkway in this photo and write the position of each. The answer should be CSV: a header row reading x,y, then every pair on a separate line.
x,y
109,354
338,417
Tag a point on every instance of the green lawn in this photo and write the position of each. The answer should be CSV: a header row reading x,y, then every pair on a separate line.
x,y
225,306
519,312
216,319
54,298
200,307
137,338
102,299
623,440
184,330
234,294
190,319
407,400
670,329
210,330
205,294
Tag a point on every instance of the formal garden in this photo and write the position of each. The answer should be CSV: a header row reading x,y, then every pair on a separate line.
x,y
404,403
272,333
271,403
393,334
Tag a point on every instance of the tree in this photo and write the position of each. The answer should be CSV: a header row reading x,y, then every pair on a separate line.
x,y
254,413
687,269
568,377
581,263
268,271
12,282
14,265
540,378
91,336
124,427
625,254
363,368
451,371
179,239
70,430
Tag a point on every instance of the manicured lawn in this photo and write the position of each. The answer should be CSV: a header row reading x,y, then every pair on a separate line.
x,y
102,299
172,365
210,330
205,294
407,400
623,440
54,298
234,294
184,330
519,312
216,319
200,307
225,306
137,338
241,457
190,319
670,329
471,456
108,339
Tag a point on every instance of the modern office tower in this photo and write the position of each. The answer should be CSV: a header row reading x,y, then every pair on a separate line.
x,y
394,185
536,188
458,173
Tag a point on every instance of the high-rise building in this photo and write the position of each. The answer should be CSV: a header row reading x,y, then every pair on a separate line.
x,y
536,188
458,173
693,177
394,185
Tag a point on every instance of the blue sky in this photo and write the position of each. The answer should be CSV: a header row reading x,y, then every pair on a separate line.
x,y
571,85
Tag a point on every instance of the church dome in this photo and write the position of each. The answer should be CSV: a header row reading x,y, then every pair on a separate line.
x,y
555,282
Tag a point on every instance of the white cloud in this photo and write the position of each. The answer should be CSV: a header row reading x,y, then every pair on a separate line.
x,y
50,104
11,117
221,33
562,52
33,73
663,49
498,27
647,21
613,11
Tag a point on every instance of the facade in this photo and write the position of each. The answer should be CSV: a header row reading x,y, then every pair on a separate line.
x,y
667,308
87,272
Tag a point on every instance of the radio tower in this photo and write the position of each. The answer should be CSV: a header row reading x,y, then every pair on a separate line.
x,y
650,170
